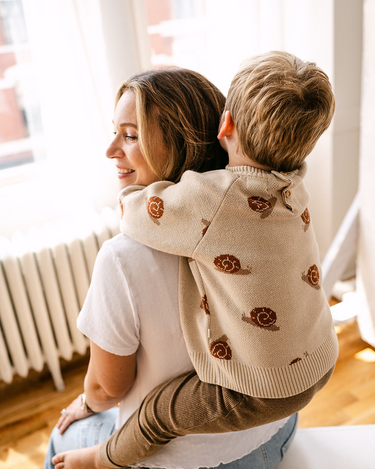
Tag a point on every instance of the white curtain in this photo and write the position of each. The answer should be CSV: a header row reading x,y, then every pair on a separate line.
x,y
251,27
366,254
69,55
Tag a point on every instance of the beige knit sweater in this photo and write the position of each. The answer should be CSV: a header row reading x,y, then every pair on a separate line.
x,y
253,312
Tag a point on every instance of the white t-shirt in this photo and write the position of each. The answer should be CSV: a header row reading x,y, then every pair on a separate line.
x,y
132,305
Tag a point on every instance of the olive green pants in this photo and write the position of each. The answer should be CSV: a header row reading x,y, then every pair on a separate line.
x,y
185,405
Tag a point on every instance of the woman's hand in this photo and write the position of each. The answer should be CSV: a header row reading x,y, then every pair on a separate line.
x,y
72,413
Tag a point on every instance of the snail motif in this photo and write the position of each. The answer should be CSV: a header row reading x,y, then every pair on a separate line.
x,y
205,305
261,205
121,209
220,349
296,360
312,277
306,219
155,208
258,204
207,224
263,317
227,263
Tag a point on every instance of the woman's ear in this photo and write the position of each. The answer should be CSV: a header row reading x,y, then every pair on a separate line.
x,y
226,125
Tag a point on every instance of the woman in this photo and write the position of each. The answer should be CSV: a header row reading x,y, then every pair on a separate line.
x,y
166,122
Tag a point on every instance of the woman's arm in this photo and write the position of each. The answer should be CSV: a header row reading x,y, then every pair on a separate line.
x,y
109,377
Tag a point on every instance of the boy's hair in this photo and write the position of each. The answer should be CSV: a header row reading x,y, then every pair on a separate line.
x,y
280,107
184,108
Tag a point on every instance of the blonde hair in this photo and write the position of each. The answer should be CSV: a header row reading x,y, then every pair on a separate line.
x,y
280,107
183,108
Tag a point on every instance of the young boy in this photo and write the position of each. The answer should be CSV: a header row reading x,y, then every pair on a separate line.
x,y
253,312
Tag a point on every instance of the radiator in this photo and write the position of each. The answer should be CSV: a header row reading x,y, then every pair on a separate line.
x,y
44,278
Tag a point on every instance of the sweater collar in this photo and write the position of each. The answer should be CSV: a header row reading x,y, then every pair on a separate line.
x,y
286,177
247,170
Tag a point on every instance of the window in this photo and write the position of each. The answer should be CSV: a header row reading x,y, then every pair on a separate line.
x,y
21,133
177,30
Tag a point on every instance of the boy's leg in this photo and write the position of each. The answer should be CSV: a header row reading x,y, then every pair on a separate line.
x,y
186,405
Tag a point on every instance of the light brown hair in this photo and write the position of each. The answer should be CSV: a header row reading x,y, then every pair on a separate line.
x,y
186,108
280,107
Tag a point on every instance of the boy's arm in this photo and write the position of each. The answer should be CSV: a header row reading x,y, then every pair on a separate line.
x,y
170,217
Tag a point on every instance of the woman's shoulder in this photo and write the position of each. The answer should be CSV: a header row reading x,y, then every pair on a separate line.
x,y
129,254
121,245
116,245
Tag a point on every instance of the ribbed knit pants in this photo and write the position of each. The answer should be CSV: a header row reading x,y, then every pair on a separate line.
x,y
185,405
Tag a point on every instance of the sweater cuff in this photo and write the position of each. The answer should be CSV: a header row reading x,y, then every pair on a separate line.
x,y
104,458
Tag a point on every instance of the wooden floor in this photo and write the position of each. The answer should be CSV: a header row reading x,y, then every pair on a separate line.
x,y
30,408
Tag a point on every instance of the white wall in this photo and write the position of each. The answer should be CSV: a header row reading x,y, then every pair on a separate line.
x,y
124,24
347,82
333,165
366,250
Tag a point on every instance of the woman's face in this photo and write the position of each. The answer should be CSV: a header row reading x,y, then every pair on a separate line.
x,y
124,150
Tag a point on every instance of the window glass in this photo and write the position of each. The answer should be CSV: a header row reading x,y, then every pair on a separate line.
x,y
21,132
177,30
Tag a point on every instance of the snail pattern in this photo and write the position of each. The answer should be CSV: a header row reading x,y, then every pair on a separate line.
x,y
207,224
306,219
296,360
230,265
155,208
312,277
220,349
205,305
121,209
263,206
262,317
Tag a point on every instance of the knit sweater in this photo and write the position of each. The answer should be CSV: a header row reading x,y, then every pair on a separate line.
x,y
253,311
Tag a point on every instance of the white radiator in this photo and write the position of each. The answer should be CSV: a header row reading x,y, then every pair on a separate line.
x,y
44,278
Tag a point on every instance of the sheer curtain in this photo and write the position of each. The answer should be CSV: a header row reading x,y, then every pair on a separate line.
x,y
250,27
68,52
366,251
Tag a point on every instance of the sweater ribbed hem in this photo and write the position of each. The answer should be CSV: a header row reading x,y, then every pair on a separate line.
x,y
268,382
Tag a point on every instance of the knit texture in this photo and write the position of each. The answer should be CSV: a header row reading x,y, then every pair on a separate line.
x,y
254,315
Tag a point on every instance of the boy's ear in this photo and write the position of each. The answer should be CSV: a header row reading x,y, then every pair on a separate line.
x,y
226,125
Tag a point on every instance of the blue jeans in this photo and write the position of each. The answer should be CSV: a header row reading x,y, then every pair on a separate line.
x,y
97,428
